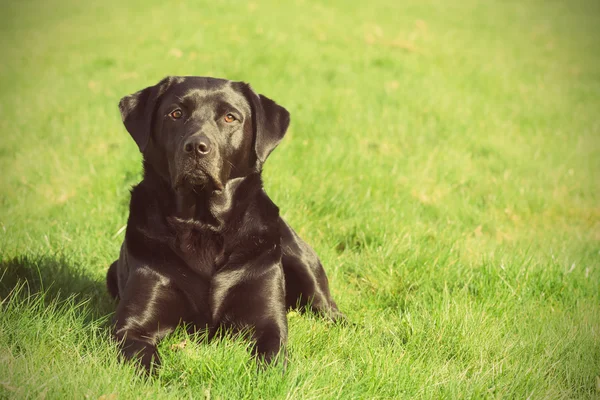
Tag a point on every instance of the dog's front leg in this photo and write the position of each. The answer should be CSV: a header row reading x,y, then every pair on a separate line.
x,y
150,308
252,297
306,283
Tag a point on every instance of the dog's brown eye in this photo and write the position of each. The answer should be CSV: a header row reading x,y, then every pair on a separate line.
x,y
176,114
229,118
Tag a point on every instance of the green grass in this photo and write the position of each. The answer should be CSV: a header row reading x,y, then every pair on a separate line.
x,y
443,160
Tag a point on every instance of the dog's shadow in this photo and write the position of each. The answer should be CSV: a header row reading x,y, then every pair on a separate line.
x,y
55,279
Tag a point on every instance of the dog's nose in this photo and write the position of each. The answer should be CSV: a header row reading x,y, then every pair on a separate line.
x,y
199,144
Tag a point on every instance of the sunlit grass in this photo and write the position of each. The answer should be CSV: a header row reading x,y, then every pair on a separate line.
x,y
443,160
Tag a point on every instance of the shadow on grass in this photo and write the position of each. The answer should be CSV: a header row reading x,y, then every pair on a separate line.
x,y
58,279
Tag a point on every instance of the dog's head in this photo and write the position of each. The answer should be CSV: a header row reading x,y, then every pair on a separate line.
x,y
201,132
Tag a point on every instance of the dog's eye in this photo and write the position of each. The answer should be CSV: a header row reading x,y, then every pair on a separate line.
x,y
176,114
229,118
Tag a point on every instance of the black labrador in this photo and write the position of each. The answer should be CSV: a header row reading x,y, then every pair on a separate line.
x,y
204,245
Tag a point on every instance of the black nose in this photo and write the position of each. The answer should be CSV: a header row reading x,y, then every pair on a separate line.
x,y
199,144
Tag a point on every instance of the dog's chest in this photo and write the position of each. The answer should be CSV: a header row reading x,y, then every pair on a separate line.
x,y
200,249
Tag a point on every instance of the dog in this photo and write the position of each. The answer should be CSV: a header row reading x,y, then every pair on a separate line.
x,y
204,245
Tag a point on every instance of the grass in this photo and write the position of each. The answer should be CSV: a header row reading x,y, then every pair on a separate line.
x,y
443,160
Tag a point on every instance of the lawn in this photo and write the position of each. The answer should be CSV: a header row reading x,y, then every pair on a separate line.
x,y
443,160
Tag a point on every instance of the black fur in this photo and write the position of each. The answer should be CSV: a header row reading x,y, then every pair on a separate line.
x,y
204,243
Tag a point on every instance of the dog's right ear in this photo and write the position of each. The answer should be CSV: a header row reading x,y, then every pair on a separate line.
x,y
137,112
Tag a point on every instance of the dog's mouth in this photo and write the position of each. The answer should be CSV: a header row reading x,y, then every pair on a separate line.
x,y
198,180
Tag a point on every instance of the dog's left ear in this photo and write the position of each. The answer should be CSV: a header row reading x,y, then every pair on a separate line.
x,y
270,122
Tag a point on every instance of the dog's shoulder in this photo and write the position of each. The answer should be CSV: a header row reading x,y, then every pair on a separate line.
x,y
259,210
147,227
252,219
148,204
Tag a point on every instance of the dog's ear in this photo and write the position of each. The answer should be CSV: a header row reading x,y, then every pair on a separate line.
x,y
137,112
270,123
